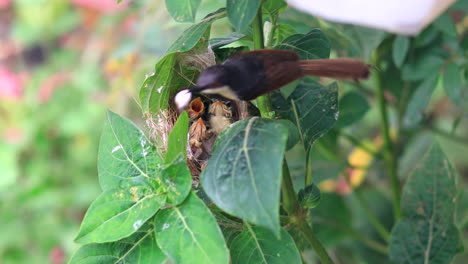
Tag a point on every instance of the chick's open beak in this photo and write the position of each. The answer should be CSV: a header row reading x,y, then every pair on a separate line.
x,y
182,99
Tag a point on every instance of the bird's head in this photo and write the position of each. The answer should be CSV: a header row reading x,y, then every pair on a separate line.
x,y
213,80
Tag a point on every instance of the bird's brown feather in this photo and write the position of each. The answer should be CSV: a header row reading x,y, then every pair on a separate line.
x,y
344,68
280,66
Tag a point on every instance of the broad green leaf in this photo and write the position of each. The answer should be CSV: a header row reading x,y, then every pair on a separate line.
x,y
188,233
453,83
445,24
243,175
177,69
225,40
230,227
426,37
282,31
196,33
242,12
177,180
183,10
260,245
422,68
293,133
117,214
125,155
353,106
313,45
419,101
155,91
177,141
273,7
140,248
427,233
400,50
369,39
312,107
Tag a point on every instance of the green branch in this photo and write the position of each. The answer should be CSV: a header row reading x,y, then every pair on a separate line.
x,y
264,101
290,202
388,152
381,230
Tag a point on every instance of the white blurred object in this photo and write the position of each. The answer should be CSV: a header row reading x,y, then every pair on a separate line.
x,y
406,17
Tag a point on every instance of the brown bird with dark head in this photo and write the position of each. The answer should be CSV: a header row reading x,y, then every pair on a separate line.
x,y
247,75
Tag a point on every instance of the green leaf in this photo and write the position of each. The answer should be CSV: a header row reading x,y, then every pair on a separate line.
x,y
312,107
427,233
177,69
183,10
188,233
369,39
309,197
260,245
177,141
225,40
426,37
125,155
243,175
293,133
282,31
140,248
116,214
313,45
155,91
422,68
419,101
273,7
400,50
242,12
196,33
177,180
353,106
445,24
453,83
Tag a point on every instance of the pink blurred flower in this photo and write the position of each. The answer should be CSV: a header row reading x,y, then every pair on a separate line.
x,y
13,134
104,6
10,85
57,255
4,3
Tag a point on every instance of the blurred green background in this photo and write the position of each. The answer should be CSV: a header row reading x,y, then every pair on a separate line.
x,y
62,63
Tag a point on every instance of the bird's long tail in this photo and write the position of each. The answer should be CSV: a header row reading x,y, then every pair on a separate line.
x,y
343,68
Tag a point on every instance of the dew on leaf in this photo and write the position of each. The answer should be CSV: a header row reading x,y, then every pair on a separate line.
x,y
116,148
137,224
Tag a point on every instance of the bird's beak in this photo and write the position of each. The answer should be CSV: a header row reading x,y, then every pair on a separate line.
x,y
182,100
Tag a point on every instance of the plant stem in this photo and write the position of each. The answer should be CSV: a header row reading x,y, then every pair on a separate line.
x,y
264,101
257,27
389,155
372,218
308,172
359,144
309,235
290,202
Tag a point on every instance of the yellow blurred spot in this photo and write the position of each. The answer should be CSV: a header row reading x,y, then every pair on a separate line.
x,y
327,186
